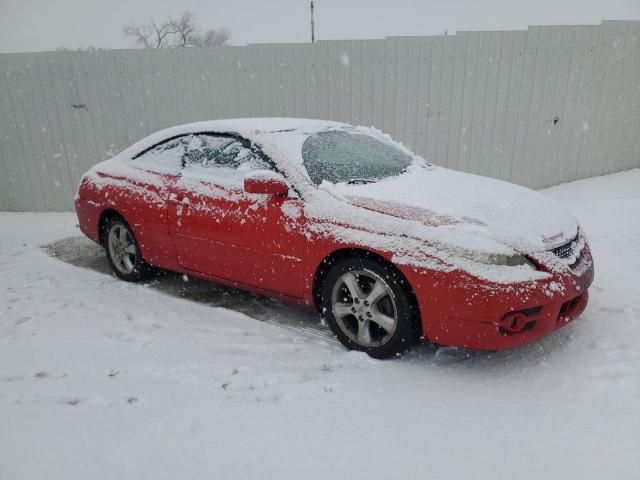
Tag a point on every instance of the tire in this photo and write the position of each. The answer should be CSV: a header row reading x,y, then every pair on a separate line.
x,y
123,252
369,307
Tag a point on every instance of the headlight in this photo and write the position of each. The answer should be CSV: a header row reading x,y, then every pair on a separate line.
x,y
497,259
507,260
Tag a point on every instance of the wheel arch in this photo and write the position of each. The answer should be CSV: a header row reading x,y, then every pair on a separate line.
x,y
350,252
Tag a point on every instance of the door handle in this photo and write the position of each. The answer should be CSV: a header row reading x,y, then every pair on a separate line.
x,y
173,198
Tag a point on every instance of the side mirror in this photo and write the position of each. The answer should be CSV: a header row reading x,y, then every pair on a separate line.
x,y
265,182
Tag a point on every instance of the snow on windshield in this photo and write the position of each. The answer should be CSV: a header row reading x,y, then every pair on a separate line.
x,y
338,156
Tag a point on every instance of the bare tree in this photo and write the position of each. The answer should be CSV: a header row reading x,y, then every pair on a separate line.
x,y
150,35
176,32
185,30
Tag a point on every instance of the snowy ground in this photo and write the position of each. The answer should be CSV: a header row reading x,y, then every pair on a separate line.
x,y
100,379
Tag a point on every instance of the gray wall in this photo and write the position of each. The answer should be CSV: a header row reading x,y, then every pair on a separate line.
x,y
482,102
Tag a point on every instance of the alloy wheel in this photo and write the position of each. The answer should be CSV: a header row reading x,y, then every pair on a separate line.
x,y
364,308
122,248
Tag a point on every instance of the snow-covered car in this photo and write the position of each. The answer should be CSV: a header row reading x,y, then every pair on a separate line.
x,y
387,247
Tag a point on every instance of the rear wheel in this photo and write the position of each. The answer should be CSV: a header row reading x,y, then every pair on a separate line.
x,y
123,252
368,306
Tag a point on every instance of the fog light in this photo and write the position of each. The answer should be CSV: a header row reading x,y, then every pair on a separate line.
x,y
516,322
513,322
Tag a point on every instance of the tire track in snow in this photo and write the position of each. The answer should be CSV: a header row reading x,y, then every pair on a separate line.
x,y
82,252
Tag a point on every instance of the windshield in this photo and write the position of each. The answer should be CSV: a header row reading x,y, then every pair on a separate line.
x,y
350,156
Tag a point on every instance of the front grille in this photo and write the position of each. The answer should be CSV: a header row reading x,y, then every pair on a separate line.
x,y
570,253
564,251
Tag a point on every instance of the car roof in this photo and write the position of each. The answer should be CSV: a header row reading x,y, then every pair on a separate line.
x,y
252,126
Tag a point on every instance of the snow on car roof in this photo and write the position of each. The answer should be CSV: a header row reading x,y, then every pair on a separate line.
x,y
249,128
276,132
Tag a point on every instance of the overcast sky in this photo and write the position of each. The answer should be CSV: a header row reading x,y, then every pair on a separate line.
x,y
35,25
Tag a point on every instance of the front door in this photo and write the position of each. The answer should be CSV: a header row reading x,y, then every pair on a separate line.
x,y
220,230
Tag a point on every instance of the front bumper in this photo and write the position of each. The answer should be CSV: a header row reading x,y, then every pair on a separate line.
x,y
460,310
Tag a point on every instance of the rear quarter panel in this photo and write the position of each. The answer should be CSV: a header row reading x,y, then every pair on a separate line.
x,y
143,207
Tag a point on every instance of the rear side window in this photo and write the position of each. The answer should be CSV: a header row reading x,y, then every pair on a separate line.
x,y
164,158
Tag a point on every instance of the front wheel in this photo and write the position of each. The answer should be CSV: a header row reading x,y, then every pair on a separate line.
x,y
123,252
368,306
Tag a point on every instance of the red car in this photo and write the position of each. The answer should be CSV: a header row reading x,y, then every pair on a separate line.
x,y
387,247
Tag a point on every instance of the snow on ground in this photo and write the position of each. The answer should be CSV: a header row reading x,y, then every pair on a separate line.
x,y
101,379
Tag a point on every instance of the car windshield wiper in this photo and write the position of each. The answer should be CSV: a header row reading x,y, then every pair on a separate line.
x,y
360,181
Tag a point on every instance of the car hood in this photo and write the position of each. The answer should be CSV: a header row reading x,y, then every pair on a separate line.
x,y
517,217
